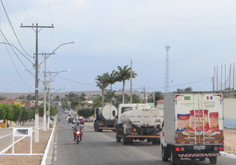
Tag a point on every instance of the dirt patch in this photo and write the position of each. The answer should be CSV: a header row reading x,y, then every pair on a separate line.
x,y
20,160
24,147
230,142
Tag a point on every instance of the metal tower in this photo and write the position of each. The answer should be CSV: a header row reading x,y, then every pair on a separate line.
x,y
167,83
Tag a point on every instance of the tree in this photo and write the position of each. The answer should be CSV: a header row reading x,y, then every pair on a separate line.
x,y
9,112
2,112
109,95
189,89
73,99
97,102
2,97
102,83
123,74
25,114
17,112
159,96
84,112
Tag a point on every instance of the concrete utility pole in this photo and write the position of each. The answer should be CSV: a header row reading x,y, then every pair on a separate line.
x,y
45,83
36,78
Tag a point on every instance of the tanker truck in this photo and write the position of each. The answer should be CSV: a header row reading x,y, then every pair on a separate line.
x,y
138,122
105,118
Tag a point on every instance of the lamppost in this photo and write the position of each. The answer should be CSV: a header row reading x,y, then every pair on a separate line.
x,y
45,57
49,92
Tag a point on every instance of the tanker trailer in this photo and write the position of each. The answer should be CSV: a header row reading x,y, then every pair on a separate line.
x,y
138,122
105,118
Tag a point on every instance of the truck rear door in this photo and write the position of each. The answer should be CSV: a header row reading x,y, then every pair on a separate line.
x,y
198,117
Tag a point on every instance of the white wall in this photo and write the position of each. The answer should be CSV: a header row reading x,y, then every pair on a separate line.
x,y
229,113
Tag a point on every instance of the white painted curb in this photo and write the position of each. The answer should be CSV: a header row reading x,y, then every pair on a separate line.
x,y
48,146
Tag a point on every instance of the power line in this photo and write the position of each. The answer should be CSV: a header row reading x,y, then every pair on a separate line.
x,y
25,11
14,30
76,81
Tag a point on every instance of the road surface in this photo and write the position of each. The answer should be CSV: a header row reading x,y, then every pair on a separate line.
x,y
101,148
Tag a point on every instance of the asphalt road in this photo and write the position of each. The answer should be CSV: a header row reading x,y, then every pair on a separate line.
x,y
101,148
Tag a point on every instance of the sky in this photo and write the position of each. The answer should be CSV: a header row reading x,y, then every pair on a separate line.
x,y
109,33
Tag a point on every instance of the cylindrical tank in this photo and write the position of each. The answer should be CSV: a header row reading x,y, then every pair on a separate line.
x,y
142,115
108,112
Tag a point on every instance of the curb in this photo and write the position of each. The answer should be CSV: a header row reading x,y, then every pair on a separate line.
x,y
43,162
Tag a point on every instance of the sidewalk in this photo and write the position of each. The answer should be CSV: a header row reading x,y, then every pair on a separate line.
x,y
22,148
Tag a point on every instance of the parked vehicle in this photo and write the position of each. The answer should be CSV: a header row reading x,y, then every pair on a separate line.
x,y
81,120
138,122
105,118
71,120
193,126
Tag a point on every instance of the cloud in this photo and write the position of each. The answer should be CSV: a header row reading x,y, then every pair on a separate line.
x,y
77,3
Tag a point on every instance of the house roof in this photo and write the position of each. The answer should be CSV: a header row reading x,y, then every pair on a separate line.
x,y
160,101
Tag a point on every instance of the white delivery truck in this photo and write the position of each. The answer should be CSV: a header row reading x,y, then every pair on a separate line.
x,y
193,126
105,118
138,122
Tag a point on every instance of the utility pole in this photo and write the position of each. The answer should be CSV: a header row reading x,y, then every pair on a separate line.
x,y
45,83
36,78
144,95
131,99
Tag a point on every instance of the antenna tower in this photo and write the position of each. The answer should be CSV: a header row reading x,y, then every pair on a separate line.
x,y
167,83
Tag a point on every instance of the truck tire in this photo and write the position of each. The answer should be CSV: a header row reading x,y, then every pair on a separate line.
x,y
149,140
213,160
124,140
173,158
118,139
202,159
164,154
155,141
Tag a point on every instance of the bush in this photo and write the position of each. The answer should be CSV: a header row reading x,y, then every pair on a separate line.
x,y
2,112
85,112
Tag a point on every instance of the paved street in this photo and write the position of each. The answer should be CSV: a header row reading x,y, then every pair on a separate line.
x,y
101,148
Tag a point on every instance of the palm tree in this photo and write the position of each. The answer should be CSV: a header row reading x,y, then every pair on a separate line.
x,y
123,74
112,80
102,83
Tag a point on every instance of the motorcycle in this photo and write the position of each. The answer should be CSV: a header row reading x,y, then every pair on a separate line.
x,y
77,137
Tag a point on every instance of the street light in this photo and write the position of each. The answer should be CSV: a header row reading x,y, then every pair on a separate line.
x,y
53,52
16,49
49,54
49,92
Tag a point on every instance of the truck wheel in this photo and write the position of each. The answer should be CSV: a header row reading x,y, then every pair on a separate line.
x,y
118,139
124,140
100,130
202,159
154,141
149,140
164,154
213,160
173,158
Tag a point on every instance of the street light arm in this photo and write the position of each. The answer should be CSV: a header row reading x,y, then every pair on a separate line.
x,y
53,52
16,49
60,72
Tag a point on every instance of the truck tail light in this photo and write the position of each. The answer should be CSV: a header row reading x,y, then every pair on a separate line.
x,y
182,148
134,129
102,123
216,148
220,148
177,149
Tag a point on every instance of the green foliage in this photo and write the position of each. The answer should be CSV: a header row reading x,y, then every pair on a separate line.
x,y
2,112
97,102
32,113
53,111
73,99
25,114
17,112
29,97
85,112
41,110
64,105
189,89
9,112
159,96
2,97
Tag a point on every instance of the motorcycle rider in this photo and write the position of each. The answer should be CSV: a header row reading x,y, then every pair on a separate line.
x,y
78,127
